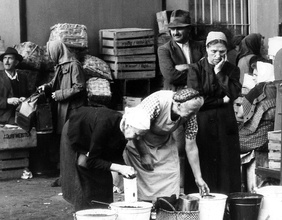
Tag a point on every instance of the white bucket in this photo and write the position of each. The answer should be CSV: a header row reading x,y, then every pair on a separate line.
x,y
90,214
271,205
132,210
211,207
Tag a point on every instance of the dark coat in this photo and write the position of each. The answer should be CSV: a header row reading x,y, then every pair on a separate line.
x,y
7,112
97,131
169,55
217,138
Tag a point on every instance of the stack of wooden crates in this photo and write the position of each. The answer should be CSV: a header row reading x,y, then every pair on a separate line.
x,y
130,53
14,150
274,147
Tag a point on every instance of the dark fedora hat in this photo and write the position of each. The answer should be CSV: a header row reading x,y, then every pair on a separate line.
x,y
179,18
11,50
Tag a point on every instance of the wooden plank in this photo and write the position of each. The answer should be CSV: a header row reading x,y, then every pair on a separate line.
x,y
11,174
10,164
274,135
128,51
266,172
131,58
137,42
13,154
274,164
274,146
134,74
274,155
123,33
132,66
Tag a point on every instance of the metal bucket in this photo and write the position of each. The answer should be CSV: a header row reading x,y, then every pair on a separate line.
x,y
90,214
212,206
271,205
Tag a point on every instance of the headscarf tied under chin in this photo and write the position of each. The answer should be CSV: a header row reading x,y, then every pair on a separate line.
x,y
137,118
59,52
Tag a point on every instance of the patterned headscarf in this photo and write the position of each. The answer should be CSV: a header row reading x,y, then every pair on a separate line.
x,y
184,95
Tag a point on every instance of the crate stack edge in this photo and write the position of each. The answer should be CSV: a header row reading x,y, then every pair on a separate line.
x,y
130,54
274,147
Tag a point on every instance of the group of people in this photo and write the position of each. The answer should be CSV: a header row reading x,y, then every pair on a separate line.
x,y
193,114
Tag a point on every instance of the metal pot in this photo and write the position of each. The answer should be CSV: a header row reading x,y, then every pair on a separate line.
x,y
187,203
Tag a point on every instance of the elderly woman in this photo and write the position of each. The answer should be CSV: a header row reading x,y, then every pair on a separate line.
x,y
155,155
257,110
251,45
67,90
217,81
92,145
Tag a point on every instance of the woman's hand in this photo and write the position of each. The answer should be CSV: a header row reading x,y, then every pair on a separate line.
x,y
218,67
126,171
203,187
226,99
147,162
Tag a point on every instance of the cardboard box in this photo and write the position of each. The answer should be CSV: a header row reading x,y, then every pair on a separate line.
x,y
13,137
163,18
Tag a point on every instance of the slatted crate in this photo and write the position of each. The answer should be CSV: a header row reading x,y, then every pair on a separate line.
x,y
274,147
13,162
130,52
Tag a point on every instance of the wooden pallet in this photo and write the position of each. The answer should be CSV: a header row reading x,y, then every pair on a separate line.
x,y
13,162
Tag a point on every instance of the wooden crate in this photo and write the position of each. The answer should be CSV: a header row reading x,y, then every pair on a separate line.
x,y
274,147
163,20
126,41
134,74
14,137
13,162
132,66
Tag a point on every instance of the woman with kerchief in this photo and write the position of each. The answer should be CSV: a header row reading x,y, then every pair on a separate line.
x,y
217,81
92,144
155,155
67,89
251,45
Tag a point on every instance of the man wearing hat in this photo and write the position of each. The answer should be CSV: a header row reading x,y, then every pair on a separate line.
x,y
13,86
181,50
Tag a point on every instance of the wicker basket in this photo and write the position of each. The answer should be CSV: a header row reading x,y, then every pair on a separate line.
x,y
177,215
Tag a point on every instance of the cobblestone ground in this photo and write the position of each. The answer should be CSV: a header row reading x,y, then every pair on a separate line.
x,y
35,199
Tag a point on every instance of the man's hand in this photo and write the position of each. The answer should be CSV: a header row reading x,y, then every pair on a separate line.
x,y
147,162
13,101
181,67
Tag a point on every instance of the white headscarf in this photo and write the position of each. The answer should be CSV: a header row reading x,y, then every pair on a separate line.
x,y
137,118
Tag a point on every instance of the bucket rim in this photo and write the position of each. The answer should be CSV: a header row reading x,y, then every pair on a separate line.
x,y
218,196
108,212
144,205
